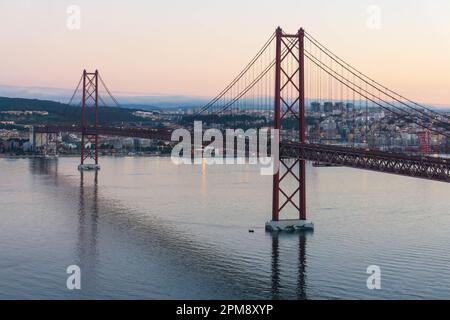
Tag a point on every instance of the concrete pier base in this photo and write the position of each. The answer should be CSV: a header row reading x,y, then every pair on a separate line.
x,y
289,225
89,167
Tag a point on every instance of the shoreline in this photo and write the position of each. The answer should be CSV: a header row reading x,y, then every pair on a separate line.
x,y
3,156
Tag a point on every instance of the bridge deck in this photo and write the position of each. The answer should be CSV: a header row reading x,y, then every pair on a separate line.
x,y
381,161
144,133
396,163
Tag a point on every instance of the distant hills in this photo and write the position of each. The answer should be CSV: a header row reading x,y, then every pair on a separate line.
x,y
144,102
61,113
133,101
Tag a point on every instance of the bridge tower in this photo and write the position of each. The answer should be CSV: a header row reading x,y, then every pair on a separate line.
x,y
289,103
89,141
424,142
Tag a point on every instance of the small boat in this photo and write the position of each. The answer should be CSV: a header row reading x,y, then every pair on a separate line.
x,y
325,164
88,167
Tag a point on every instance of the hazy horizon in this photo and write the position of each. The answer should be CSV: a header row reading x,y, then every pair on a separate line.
x,y
129,99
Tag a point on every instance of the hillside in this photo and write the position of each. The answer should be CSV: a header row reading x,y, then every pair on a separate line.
x,y
59,113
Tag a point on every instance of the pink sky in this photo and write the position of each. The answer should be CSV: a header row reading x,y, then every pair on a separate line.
x,y
196,47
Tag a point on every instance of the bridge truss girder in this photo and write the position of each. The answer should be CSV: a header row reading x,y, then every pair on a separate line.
x,y
437,169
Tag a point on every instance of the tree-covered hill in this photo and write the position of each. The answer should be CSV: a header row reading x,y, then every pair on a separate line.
x,y
59,113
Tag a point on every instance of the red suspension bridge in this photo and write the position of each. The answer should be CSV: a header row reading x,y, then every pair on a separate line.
x,y
289,73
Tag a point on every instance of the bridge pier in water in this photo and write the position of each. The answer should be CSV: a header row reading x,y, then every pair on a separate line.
x,y
289,101
89,99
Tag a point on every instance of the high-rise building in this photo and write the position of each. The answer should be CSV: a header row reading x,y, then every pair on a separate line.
x,y
328,107
315,106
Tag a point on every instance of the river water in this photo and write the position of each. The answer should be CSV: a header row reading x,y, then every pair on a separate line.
x,y
146,228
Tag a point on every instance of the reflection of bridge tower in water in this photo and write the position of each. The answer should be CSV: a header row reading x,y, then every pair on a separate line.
x,y
276,264
87,228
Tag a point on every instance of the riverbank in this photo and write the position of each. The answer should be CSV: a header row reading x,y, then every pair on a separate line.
x,y
39,156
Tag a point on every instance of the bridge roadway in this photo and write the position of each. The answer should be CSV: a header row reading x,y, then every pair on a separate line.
x,y
144,133
381,161
417,166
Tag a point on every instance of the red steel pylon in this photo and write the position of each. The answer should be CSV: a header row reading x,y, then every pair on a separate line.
x,y
90,99
424,141
290,102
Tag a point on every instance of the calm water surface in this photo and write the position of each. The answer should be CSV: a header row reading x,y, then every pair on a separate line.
x,y
145,228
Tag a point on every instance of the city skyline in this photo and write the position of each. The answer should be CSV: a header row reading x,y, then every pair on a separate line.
x,y
141,52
